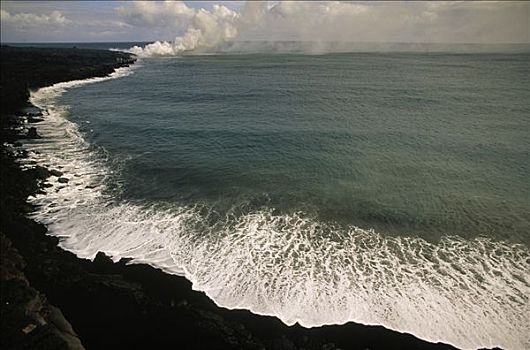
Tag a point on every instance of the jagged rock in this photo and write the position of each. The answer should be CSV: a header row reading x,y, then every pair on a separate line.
x,y
41,172
32,111
182,303
64,328
285,344
28,320
102,260
11,263
29,328
32,133
34,120
57,173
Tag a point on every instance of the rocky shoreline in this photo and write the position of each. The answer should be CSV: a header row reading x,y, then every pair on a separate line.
x,y
114,304
28,320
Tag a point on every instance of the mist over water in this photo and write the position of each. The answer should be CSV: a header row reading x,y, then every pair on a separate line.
x,y
380,188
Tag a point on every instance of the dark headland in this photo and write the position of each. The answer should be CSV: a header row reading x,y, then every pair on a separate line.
x,y
105,304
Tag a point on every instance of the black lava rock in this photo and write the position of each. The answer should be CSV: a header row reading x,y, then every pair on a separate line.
x,y
57,173
32,133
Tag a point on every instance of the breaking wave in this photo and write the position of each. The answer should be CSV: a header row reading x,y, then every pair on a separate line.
x,y
470,293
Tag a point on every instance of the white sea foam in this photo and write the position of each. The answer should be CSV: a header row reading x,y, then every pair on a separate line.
x,y
470,293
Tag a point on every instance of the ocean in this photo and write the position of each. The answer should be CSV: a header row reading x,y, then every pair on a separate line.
x,y
386,188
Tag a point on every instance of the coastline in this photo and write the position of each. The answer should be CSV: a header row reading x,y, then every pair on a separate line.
x,y
114,304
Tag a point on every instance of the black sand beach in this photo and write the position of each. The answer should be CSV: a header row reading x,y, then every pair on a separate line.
x,y
114,304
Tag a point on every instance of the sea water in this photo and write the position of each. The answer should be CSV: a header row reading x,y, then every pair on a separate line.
x,y
381,188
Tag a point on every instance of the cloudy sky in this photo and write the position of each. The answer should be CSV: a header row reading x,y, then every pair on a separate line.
x,y
446,22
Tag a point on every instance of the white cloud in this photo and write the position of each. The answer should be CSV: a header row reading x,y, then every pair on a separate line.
x,y
31,20
320,21
173,14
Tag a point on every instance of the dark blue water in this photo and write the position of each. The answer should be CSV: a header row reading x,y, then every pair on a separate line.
x,y
380,188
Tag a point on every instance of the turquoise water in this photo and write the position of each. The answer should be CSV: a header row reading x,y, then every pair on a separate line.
x,y
380,188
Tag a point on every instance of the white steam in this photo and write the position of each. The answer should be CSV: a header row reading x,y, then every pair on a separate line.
x,y
323,26
206,29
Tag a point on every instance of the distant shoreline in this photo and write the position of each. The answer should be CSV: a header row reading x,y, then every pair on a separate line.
x,y
306,47
114,304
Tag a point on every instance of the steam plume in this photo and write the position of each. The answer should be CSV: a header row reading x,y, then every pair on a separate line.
x,y
206,29
321,26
